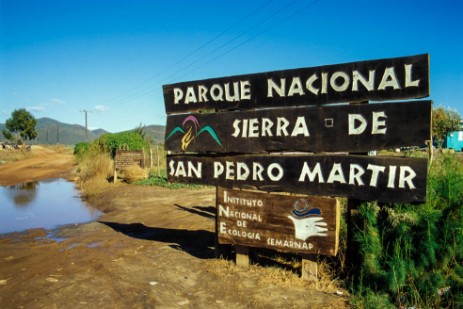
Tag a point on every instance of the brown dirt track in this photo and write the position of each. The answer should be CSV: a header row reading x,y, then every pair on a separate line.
x,y
152,248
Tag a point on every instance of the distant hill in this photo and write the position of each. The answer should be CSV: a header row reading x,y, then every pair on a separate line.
x,y
55,132
156,133
51,131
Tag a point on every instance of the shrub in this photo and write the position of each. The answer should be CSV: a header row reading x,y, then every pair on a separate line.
x,y
80,149
93,186
414,253
124,140
162,182
95,164
134,173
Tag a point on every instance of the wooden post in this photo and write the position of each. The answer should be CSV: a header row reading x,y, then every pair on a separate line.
x,y
430,144
115,176
157,155
242,256
143,162
310,269
431,151
151,158
352,212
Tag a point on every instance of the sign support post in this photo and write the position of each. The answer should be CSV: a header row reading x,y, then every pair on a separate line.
x,y
309,269
352,212
242,256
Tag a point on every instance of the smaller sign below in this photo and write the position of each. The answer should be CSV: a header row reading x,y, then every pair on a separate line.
x,y
125,158
288,223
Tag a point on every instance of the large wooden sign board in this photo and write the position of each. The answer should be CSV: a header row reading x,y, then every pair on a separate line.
x,y
376,80
350,128
287,111
384,179
288,223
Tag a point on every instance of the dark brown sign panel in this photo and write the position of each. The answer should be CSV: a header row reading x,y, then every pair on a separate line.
x,y
300,224
125,158
384,179
349,128
375,80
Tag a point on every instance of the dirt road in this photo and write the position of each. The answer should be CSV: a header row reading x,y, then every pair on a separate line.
x,y
152,248
40,163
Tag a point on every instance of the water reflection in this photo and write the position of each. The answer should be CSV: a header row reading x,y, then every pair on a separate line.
x,y
44,204
23,194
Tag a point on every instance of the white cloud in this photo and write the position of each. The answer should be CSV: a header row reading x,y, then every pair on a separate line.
x,y
101,108
36,108
57,101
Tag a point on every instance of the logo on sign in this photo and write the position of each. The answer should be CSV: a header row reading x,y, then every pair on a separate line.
x,y
191,130
307,221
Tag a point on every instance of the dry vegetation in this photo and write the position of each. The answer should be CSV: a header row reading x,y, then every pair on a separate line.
x,y
93,172
11,155
134,173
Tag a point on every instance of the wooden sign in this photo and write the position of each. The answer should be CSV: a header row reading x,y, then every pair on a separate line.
x,y
125,158
375,80
384,179
288,223
349,128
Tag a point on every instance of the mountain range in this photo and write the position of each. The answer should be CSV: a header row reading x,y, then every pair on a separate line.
x,y
51,131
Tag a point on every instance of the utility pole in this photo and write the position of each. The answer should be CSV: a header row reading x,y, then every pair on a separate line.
x,y
86,126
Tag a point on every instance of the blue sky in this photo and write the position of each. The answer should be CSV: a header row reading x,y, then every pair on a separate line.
x,y
112,57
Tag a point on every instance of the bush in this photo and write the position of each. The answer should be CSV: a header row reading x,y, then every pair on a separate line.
x,y
95,164
134,173
124,140
414,253
80,149
95,159
162,182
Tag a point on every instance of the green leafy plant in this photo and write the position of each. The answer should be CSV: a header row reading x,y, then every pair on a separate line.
x,y
413,254
80,149
444,121
162,182
124,140
20,127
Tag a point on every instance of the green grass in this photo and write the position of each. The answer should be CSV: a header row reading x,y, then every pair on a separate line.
x,y
412,255
162,182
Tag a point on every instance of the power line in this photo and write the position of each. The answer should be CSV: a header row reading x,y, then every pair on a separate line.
x,y
253,37
222,33
151,89
236,37
198,48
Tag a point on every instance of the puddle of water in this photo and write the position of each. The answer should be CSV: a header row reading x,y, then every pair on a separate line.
x,y
94,245
72,246
45,204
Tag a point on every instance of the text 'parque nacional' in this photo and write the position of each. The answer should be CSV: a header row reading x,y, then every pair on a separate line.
x,y
406,77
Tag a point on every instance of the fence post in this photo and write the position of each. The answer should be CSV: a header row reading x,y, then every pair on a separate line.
x,y
158,159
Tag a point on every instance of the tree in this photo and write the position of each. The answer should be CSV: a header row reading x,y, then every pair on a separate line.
x,y
21,125
443,122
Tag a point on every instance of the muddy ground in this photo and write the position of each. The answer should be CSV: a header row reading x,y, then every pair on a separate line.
x,y
152,248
